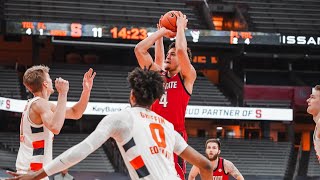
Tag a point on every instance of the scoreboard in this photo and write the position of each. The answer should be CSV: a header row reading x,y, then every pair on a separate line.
x,y
79,30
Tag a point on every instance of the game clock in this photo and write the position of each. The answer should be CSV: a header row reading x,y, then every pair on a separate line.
x,y
128,33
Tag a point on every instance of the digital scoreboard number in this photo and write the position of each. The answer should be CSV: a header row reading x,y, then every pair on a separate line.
x,y
78,30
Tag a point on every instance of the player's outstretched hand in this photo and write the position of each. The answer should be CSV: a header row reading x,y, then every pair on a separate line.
x,y
88,80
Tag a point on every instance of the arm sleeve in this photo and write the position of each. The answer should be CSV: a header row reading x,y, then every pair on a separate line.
x,y
106,128
180,144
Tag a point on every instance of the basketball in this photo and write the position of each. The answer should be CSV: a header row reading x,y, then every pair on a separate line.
x,y
169,21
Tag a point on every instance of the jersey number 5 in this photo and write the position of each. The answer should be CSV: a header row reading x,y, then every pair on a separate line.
x,y
158,135
164,100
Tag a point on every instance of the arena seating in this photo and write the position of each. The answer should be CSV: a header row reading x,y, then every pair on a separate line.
x,y
95,162
7,159
313,165
9,86
252,157
268,103
310,78
290,16
206,93
268,77
110,85
125,12
1,7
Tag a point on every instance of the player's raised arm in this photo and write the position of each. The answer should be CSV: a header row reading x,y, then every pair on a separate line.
x,y
141,50
77,110
159,49
54,120
187,70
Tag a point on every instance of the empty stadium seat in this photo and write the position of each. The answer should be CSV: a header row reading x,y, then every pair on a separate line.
x,y
9,86
313,165
294,16
110,85
122,12
310,78
206,93
268,77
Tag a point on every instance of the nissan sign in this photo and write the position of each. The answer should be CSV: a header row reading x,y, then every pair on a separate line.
x,y
300,40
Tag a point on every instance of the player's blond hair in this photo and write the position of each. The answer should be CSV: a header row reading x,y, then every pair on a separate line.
x,y
34,77
317,87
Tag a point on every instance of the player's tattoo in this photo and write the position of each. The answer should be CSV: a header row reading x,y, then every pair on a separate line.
x,y
234,172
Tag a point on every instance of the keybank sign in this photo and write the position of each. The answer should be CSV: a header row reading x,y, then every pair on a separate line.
x,y
201,112
300,40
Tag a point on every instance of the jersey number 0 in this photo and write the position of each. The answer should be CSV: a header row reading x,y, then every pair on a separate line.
x,y
158,135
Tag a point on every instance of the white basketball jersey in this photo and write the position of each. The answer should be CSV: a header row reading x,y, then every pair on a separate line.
x,y
316,142
149,145
146,141
35,143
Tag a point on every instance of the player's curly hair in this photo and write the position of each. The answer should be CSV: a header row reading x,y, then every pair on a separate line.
x,y
147,86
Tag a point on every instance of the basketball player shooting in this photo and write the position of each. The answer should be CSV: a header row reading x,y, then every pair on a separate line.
x,y
145,139
178,72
